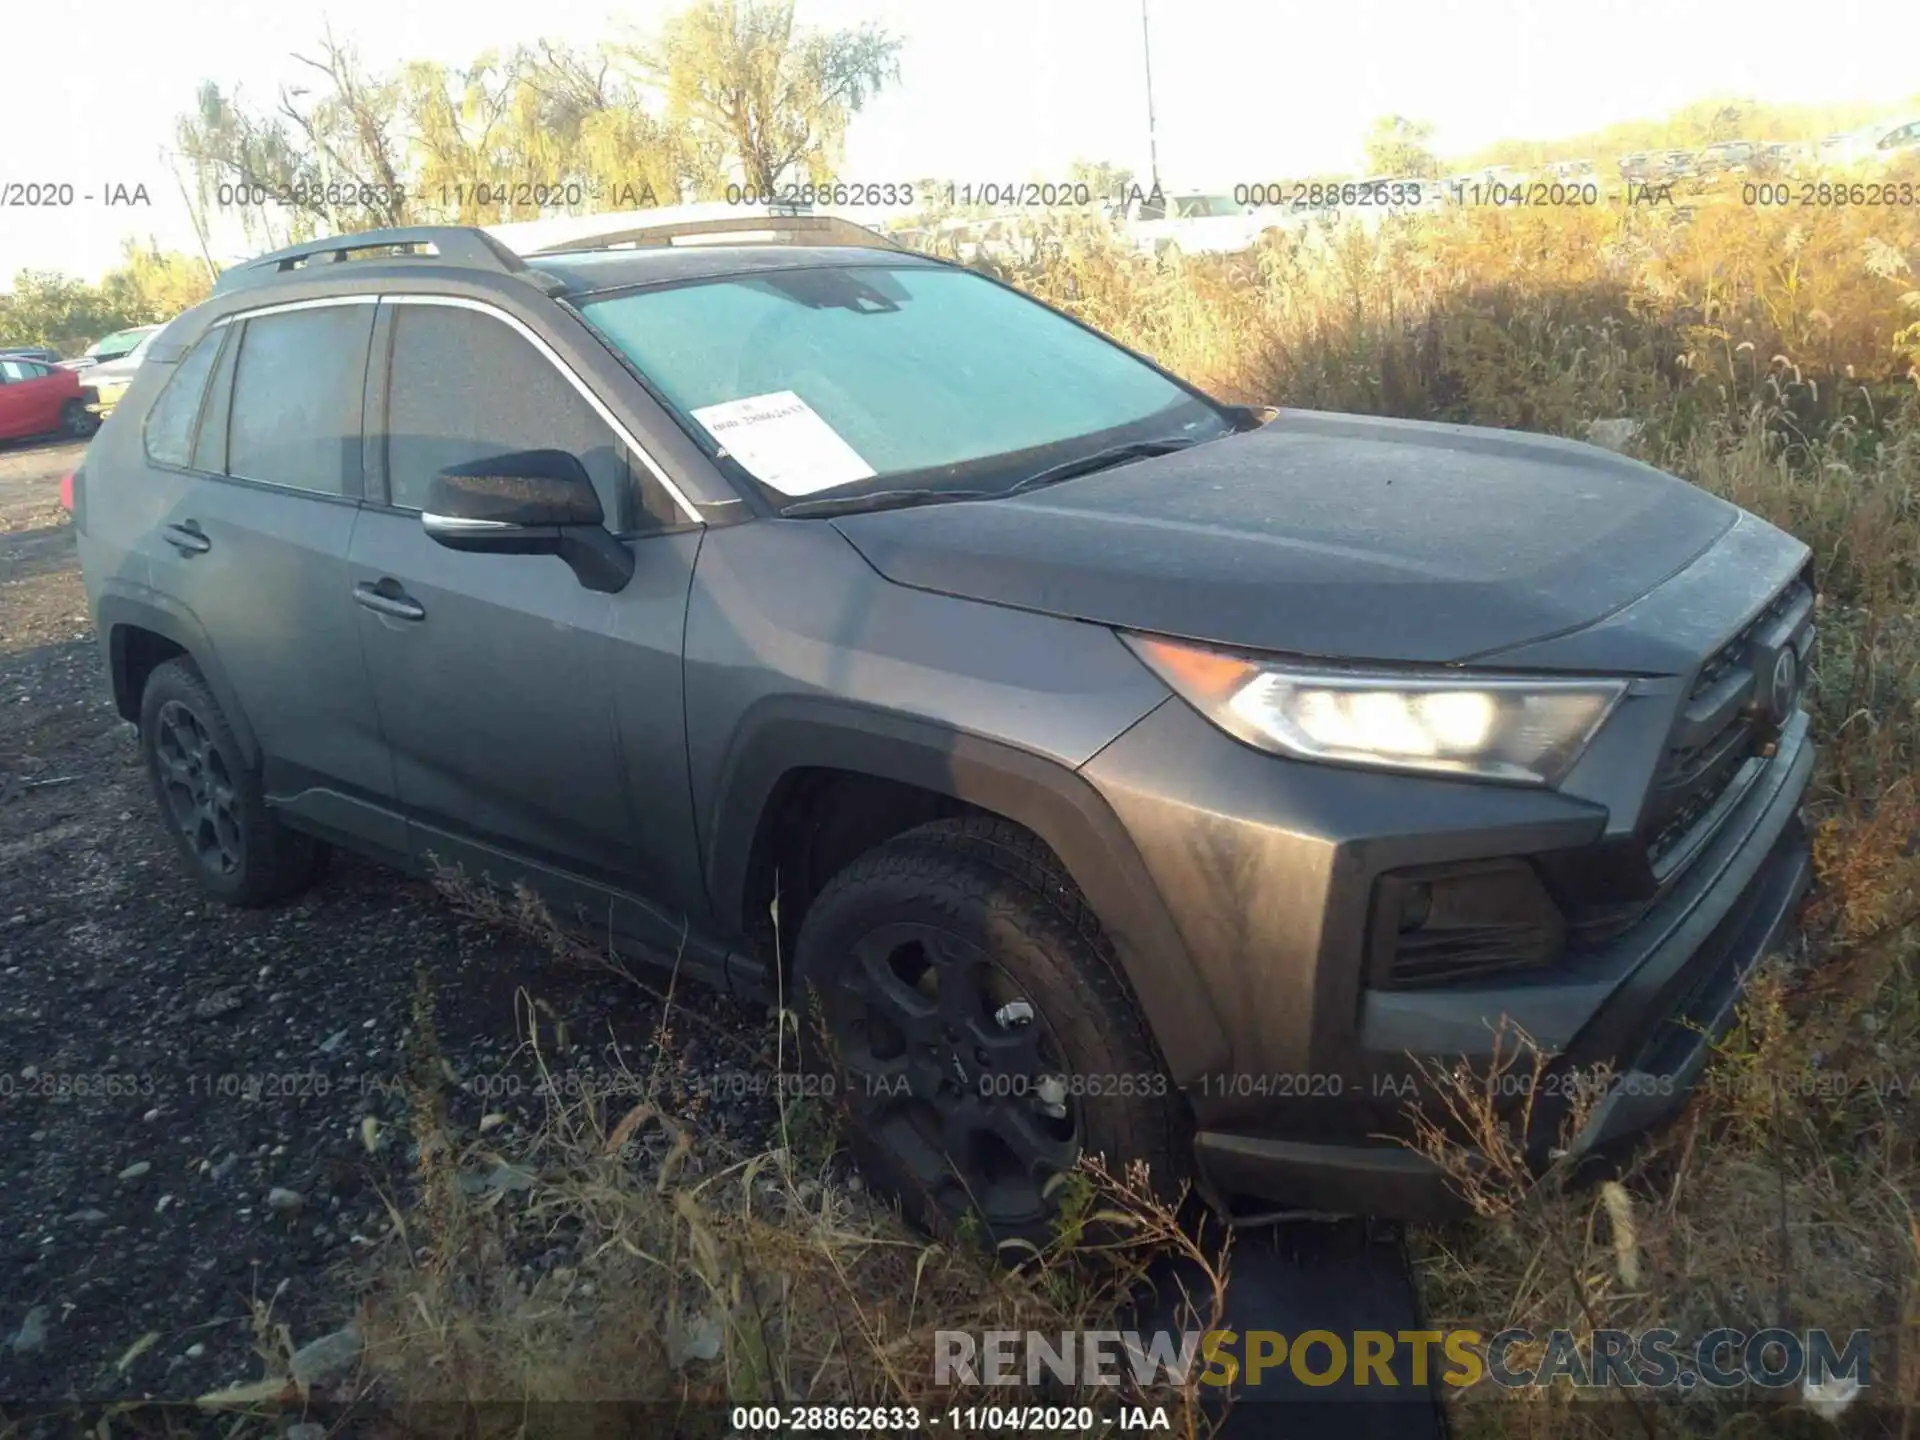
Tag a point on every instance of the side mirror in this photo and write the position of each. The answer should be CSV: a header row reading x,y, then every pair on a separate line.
x,y
530,502
1251,417
527,490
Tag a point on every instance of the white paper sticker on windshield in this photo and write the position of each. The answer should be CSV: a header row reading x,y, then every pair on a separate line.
x,y
782,440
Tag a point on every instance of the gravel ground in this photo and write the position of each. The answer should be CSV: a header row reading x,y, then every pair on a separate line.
x,y
183,1087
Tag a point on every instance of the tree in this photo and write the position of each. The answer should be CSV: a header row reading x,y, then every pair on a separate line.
x,y
65,314
356,157
621,144
57,311
236,156
771,99
544,129
730,87
1397,146
151,285
329,155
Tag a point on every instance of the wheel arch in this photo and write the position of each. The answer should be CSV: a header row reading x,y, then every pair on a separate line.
x,y
919,771
141,632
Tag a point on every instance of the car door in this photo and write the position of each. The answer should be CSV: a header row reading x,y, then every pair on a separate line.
x,y
29,400
47,390
254,490
15,403
537,727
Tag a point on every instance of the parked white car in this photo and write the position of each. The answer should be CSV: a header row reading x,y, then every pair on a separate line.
x,y
1195,224
110,348
1874,144
109,379
1884,143
1006,238
1576,172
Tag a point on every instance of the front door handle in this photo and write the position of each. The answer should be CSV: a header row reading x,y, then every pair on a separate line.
x,y
187,537
387,598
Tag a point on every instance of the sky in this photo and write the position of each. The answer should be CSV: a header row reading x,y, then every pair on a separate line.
x,y
991,90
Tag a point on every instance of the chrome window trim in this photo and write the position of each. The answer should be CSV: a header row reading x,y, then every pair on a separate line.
x,y
324,303
547,352
526,332
284,306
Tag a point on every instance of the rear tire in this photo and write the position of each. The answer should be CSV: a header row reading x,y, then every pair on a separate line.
x,y
76,421
964,1002
211,802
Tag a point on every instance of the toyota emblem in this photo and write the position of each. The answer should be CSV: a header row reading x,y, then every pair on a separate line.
x,y
1785,686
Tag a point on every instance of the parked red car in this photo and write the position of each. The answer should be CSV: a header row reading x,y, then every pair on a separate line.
x,y
37,399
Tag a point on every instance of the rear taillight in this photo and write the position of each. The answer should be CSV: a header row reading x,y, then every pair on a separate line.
x,y
66,491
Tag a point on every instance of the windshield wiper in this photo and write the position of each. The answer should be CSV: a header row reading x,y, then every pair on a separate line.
x,y
1066,470
1100,460
880,500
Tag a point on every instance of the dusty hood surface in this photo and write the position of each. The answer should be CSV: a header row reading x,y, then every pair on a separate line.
x,y
1321,534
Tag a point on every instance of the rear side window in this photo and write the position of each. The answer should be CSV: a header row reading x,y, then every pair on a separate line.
x,y
296,399
466,386
169,428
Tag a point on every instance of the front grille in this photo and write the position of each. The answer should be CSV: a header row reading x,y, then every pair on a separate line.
x,y
1442,925
1691,784
1718,748
1719,732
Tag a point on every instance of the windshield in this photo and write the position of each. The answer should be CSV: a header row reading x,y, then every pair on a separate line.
x,y
853,379
121,342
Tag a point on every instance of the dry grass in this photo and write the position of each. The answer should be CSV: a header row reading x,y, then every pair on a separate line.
x,y
1769,356
695,1278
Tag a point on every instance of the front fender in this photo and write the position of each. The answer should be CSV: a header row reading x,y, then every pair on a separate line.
x,y
791,733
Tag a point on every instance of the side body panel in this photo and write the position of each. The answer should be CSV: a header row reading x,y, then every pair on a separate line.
x,y
800,656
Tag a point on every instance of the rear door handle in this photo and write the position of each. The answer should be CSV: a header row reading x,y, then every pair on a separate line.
x,y
187,537
387,598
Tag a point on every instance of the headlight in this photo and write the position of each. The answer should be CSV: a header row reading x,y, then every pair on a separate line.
x,y
1488,727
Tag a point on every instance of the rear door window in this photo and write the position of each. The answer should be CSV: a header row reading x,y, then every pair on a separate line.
x,y
297,396
170,424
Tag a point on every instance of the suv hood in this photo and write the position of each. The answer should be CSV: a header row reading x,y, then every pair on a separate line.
x,y
1327,535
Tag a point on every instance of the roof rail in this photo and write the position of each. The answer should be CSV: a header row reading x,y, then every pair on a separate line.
x,y
682,225
457,244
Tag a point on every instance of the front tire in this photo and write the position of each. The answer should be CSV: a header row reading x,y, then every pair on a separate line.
x,y
76,421
957,989
211,802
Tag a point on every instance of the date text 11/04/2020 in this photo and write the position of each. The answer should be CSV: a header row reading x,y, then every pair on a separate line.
x,y
1591,1083
956,1420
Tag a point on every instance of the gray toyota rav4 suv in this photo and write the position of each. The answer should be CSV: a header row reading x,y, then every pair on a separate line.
x,y
1095,767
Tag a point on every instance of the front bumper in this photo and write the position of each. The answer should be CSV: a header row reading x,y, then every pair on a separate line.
x,y
1268,874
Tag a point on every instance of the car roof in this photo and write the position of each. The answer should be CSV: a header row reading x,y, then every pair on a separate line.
x,y
578,255
585,272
